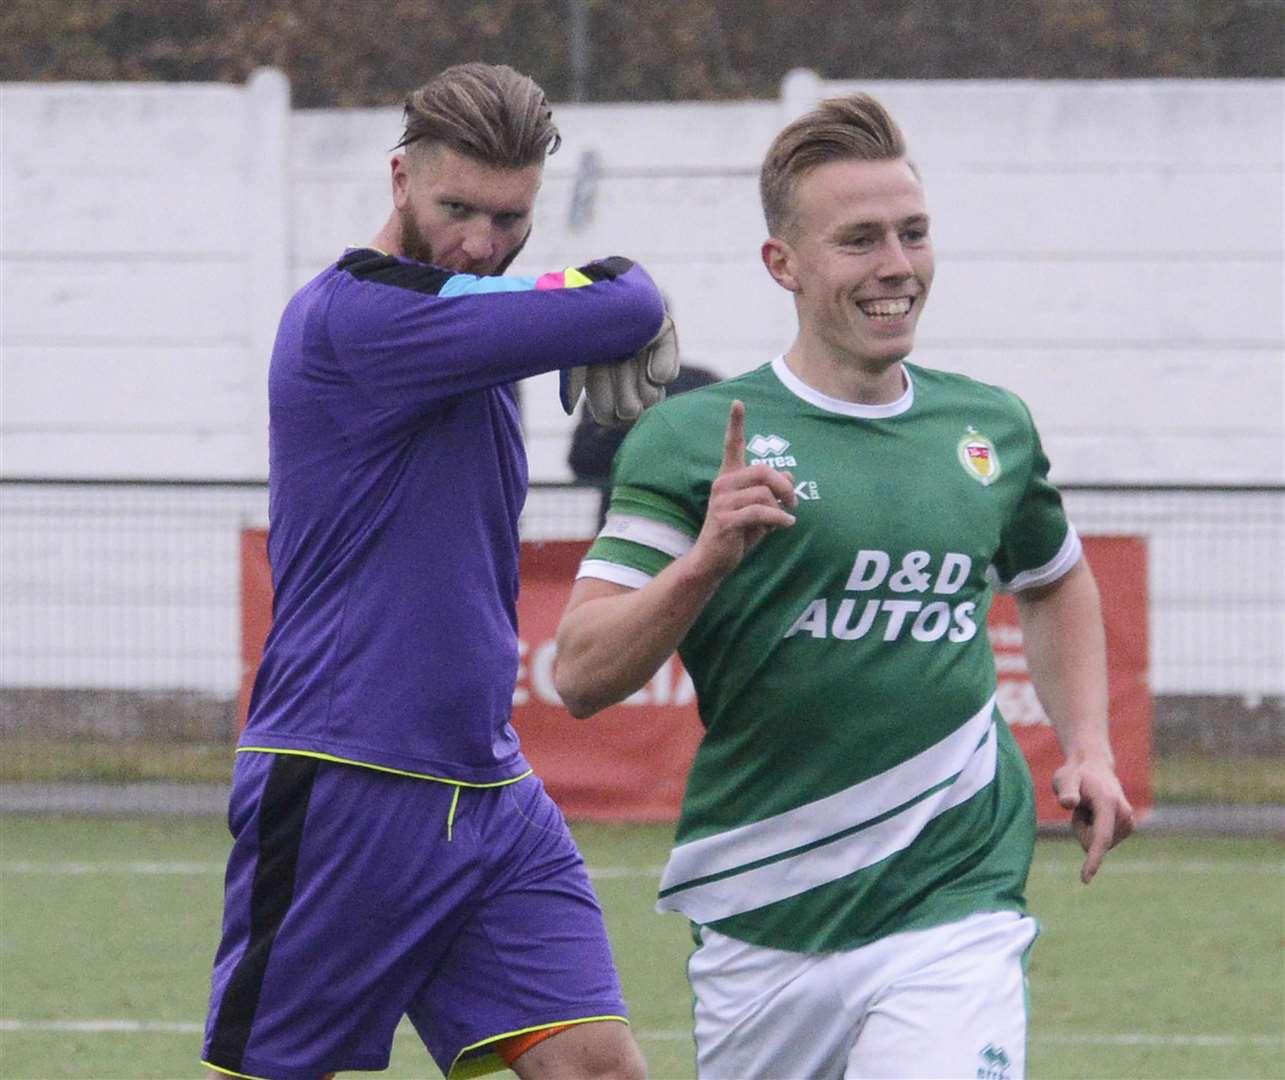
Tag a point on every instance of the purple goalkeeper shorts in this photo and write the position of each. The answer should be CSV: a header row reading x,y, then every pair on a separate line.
x,y
356,897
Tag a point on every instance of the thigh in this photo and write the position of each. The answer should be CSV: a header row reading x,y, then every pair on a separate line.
x,y
766,1013
533,952
343,890
954,1004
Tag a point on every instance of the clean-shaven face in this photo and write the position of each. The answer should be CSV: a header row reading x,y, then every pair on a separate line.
x,y
861,259
460,214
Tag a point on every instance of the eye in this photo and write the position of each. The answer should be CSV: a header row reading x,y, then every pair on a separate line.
x,y
508,220
916,234
456,209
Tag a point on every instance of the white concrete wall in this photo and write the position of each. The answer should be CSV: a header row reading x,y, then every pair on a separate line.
x,y
1110,250
142,271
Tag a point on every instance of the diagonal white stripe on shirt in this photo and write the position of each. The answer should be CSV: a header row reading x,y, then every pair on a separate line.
x,y
791,876
843,810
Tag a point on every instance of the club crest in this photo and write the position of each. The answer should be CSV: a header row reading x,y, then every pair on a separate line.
x,y
977,455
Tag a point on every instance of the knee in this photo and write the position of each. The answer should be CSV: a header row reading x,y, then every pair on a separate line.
x,y
630,1065
615,1059
626,1064
590,1052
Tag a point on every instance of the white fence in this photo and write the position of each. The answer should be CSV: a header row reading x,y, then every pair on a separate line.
x,y
137,587
1110,250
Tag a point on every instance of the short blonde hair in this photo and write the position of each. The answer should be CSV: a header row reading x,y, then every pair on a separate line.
x,y
852,127
488,112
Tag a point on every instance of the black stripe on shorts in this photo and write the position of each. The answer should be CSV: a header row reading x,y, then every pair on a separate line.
x,y
282,811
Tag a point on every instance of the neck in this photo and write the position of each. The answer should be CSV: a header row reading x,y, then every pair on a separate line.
x,y
389,238
847,378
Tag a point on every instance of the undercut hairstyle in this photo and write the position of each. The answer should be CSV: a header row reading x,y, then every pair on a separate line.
x,y
487,112
842,128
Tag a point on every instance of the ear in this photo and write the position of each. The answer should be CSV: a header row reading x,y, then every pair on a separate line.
x,y
778,257
400,170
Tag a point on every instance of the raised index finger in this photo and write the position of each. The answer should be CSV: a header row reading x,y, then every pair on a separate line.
x,y
734,438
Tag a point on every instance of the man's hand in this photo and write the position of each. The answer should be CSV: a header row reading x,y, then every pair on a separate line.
x,y
614,638
746,502
618,393
1101,816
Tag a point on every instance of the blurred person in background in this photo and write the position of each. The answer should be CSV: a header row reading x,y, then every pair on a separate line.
x,y
858,823
393,853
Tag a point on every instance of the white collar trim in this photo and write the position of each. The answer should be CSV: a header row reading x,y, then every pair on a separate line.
x,y
800,389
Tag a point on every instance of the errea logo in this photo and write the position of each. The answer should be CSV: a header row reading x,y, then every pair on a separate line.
x,y
771,450
767,445
993,1063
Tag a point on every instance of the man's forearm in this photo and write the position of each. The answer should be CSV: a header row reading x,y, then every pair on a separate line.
x,y
612,641
1065,649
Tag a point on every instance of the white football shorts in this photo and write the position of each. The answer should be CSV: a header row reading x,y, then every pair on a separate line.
x,y
946,1002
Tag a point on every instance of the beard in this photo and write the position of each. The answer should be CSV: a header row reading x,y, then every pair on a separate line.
x,y
415,246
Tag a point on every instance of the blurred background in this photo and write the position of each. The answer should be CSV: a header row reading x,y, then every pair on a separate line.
x,y
1106,183
1106,179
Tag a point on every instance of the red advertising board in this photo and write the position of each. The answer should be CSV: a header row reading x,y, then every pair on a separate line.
x,y
629,763
1120,566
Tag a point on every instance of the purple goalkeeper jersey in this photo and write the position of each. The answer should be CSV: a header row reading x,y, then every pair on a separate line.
x,y
397,474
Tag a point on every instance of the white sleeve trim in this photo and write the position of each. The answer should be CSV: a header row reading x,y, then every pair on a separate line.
x,y
652,534
613,572
1067,556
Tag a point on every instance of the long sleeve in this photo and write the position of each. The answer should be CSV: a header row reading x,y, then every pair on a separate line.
x,y
410,334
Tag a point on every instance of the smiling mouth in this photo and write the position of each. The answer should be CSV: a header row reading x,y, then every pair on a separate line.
x,y
886,309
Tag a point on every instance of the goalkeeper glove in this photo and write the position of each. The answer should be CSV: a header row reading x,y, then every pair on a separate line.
x,y
618,392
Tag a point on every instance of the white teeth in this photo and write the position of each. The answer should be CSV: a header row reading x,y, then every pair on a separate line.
x,y
886,309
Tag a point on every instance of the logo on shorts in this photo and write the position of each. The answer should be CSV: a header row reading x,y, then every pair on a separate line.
x,y
977,455
994,1063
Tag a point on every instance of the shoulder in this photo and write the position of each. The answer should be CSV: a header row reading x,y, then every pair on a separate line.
x,y
368,265
694,417
684,433
957,384
934,387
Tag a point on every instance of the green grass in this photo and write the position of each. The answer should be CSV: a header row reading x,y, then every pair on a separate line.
x,y
1201,778
115,761
1169,965
1179,778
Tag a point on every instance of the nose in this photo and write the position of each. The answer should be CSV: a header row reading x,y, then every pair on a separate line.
x,y
479,244
894,263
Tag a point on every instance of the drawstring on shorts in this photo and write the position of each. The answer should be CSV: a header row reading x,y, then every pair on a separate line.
x,y
450,816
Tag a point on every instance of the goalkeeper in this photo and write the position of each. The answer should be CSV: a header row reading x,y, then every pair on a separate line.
x,y
819,539
393,853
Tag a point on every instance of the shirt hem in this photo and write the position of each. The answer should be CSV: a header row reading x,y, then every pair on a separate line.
x,y
519,770
938,916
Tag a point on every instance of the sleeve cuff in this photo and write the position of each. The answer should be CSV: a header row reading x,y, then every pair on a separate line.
x,y
1061,563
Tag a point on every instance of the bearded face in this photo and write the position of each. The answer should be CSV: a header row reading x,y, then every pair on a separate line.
x,y
461,214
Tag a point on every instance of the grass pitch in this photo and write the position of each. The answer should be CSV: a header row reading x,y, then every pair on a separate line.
x,y
1169,965
1188,777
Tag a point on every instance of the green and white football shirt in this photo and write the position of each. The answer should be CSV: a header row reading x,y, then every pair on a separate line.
x,y
854,779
